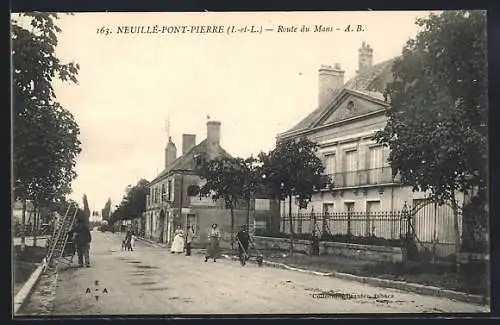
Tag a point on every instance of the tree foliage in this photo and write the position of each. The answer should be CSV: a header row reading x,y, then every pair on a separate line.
x,y
133,203
293,170
228,178
45,134
105,212
225,179
86,210
437,126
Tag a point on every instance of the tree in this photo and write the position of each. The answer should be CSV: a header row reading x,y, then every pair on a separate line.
x,y
132,204
293,170
45,134
86,210
252,181
437,123
105,212
224,178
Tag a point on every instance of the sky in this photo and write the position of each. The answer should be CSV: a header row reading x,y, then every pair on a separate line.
x,y
256,85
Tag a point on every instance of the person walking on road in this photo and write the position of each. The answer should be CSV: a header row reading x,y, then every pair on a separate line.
x,y
178,243
213,247
82,241
128,238
243,239
189,239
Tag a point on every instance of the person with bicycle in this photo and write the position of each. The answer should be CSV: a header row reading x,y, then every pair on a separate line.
x,y
243,239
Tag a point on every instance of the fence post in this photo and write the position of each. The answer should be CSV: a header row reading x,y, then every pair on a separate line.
x,y
349,231
314,236
323,224
367,226
299,223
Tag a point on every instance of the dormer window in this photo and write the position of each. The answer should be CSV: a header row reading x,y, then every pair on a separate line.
x,y
350,105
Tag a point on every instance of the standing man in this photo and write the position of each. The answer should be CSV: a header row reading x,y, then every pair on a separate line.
x,y
128,238
189,239
243,239
82,241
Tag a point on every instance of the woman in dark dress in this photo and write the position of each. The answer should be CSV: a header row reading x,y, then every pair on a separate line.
x,y
213,246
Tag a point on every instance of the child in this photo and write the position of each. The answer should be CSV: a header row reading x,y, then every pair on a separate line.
x,y
132,241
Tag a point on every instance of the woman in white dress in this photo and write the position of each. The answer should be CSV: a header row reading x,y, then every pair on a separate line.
x,y
178,243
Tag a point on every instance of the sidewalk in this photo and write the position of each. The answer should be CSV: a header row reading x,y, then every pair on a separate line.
x,y
153,243
409,278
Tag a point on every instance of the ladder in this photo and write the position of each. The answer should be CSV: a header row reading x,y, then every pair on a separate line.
x,y
60,237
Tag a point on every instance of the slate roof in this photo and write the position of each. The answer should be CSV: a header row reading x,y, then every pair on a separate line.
x,y
371,82
186,161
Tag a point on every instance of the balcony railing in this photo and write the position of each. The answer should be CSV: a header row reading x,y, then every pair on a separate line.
x,y
374,176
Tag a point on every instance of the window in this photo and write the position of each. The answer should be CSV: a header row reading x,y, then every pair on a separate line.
x,y
170,190
350,105
351,165
375,160
349,207
372,206
351,161
330,164
375,165
163,193
327,208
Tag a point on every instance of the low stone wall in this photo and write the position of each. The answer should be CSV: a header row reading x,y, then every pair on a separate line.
x,y
364,252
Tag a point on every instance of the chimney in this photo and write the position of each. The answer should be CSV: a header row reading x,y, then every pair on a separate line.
x,y
365,58
330,79
188,141
170,153
213,139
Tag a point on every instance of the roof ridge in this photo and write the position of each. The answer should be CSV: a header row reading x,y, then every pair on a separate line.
x,y
177,161
361,80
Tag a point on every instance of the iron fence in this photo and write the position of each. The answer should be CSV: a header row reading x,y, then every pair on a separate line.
x,y
389,225
432,227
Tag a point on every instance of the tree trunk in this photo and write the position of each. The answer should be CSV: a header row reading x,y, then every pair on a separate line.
x,y
233,204
23,226
232,228
248,214
468,223
291,223
35,223
457,232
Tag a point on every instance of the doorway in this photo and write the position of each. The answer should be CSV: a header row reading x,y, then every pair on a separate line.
x,y
349,207
372,207
161,236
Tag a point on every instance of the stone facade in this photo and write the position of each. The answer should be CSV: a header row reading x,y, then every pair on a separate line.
x,y
169,203
344,125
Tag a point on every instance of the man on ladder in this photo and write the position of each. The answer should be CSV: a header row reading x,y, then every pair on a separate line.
x,y
82,240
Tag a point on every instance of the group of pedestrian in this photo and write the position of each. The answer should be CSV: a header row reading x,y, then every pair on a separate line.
x,y
129,241
183,240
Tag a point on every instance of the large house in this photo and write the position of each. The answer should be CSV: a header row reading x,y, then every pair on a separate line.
x,y
173,200
343,124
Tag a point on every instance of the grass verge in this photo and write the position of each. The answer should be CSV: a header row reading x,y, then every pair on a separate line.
x,y
471,280
25,262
